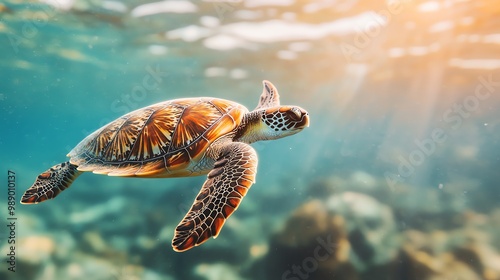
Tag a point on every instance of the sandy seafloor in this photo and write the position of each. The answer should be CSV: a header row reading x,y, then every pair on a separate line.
x,y
396,177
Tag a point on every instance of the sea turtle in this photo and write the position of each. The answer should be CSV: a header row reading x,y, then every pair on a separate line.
x,y
179,138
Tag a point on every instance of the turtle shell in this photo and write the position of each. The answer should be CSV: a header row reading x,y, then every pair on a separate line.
x,y
167,139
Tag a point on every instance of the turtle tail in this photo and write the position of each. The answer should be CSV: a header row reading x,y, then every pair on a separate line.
x,y
50,183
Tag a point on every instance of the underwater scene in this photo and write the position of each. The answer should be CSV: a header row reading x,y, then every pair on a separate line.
x,y
357,139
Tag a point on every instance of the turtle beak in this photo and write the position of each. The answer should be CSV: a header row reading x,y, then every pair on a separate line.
x,y
305,120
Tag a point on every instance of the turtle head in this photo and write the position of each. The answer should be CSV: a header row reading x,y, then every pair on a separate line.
x,y
282,121
277,121
273,123
270,120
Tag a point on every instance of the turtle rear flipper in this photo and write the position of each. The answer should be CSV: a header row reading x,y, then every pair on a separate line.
x,y
50,183
228,182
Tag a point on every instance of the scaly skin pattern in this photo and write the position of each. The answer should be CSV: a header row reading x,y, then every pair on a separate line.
x,y
232,175
50,183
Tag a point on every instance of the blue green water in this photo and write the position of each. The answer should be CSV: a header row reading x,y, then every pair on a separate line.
x,y
398,169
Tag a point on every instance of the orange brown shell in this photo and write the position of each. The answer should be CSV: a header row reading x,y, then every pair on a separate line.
x,y
166,139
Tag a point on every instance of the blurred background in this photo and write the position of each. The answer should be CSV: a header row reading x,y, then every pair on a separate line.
x,y
396,178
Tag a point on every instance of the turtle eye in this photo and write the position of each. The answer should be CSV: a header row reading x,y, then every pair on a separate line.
x,y
295,114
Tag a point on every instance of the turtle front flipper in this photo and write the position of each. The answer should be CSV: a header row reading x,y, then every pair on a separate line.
x,y
228,182
51,182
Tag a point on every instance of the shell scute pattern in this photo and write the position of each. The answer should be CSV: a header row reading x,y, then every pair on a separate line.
x,y
156,134
195,121
164,136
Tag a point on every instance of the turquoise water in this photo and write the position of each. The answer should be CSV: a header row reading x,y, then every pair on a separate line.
x,y
396,177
